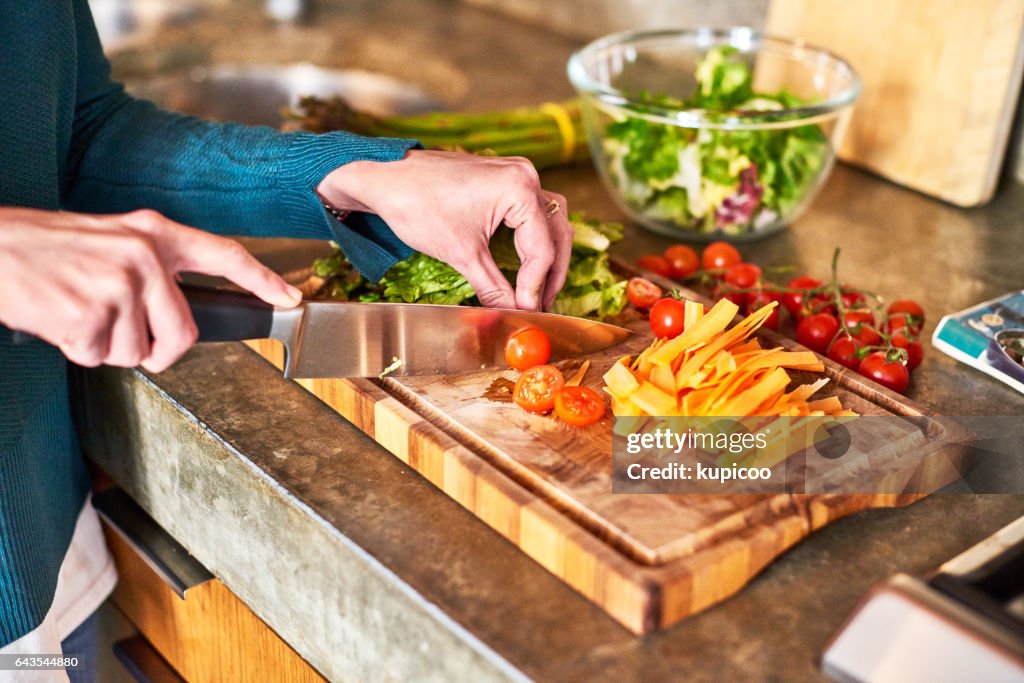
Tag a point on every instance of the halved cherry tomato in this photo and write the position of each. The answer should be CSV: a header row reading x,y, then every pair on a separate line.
x,y
642,293
579,406
743,275
682,260
794,301
536,388
720,255
656,264
909,307
890,374
667,318
844,351
816,331
915,351
527,347
862,326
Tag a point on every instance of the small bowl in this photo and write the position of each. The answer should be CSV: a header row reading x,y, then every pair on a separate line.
x,y
735,154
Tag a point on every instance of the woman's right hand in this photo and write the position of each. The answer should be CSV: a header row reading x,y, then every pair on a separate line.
x,y
103,289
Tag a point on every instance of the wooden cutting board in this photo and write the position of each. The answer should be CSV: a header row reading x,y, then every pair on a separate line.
x,y
647,559
941,80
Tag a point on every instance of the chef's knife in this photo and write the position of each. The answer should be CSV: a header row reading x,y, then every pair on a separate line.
x,y
349,339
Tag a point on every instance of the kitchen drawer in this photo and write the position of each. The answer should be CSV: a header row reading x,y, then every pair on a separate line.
x,y
209,635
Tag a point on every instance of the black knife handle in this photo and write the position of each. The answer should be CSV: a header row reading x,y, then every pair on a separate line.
x,y
220,315
224,315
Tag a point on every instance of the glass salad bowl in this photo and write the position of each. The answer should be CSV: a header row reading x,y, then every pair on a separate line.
x,y
709,134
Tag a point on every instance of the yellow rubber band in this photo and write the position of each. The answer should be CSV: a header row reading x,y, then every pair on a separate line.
x,y
565,128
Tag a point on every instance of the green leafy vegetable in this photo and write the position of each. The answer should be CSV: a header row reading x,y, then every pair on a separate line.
x,y
716,180
425,280
591,289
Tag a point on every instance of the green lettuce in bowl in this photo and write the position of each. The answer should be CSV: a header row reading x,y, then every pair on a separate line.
x,y
739,153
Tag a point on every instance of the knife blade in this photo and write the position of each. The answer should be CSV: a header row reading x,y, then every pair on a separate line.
x,y
325,339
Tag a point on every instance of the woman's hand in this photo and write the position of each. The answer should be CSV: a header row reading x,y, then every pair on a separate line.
x,y
102,288
448,205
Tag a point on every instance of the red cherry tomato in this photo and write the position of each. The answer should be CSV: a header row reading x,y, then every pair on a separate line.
x,y
642,293
901,321
909,307
816,331
794,301
656,264
682,261
890,374
844,351
862,326
527,347
820,303
759,300
743,275
852,299
579,406
720,255
536,388
738,298
668,318
915,351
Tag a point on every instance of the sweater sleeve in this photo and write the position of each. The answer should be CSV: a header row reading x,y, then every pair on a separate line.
x,y
127,154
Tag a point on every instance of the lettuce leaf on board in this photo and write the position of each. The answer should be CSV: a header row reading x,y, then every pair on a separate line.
x,y
591,289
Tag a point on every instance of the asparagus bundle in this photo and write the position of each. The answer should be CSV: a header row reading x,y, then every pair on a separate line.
x,y
548,135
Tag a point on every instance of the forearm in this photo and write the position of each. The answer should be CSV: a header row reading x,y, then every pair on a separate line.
x,y
226,178
221,177
127,154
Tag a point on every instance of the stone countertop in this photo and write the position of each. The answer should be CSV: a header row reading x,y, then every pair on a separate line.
x,y
369,571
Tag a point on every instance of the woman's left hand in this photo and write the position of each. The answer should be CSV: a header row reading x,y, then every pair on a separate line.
x,y
448,205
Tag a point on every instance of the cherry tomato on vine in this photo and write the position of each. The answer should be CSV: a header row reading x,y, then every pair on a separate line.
x,y
816,331
844,351
719,255
862,326
642,293
743,275
820,303
908,307
794,301
759,300
682,261
536,388
902,321
852,299
579,406
721,291
656,264
667,318
890,374
915,351
527,347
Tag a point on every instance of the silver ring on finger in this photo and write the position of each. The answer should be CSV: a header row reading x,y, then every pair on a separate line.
x,y
552,207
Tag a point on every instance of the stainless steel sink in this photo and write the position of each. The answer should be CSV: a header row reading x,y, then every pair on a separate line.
x,y
257,94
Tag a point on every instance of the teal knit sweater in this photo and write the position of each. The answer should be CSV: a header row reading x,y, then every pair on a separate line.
x,y
70,138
